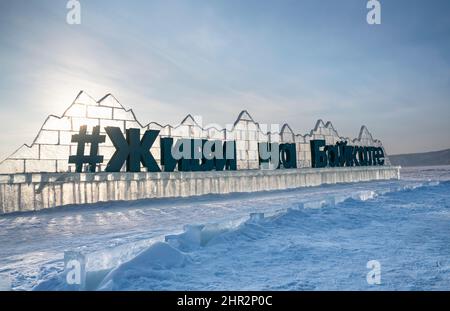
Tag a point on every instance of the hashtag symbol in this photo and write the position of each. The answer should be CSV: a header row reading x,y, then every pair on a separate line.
x,y
82,138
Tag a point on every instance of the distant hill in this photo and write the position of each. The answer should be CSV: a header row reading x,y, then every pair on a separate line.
x,y
422,159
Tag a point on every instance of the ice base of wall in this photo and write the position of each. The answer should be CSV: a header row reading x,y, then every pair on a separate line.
x,y
37,191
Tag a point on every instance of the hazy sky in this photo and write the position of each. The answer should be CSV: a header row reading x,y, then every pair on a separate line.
x,y
283,61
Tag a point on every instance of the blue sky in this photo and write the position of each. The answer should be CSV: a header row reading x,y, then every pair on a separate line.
x,y
283,61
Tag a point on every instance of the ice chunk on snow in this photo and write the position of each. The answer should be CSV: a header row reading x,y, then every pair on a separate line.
x,y
188,240
159,256
196,236
365,195
326,202
5,283
256,217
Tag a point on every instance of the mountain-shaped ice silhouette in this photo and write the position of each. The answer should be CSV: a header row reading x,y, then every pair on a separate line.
x,y
52,146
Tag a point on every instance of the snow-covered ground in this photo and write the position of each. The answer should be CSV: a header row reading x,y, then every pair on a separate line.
x,y
315,238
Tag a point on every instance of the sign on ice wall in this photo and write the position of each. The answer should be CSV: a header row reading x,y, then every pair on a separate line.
x,y
104,136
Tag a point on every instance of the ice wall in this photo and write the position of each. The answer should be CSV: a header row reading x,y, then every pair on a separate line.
x,y
52,147
36,191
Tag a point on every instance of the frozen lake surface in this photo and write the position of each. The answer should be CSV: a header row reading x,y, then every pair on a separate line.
x,y
318,238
